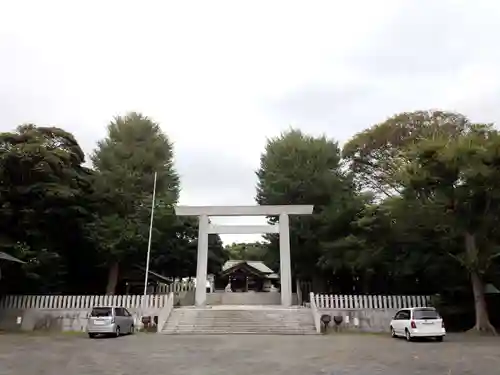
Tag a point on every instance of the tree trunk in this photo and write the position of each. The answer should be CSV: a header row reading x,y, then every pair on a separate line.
x,y
482,319
114,268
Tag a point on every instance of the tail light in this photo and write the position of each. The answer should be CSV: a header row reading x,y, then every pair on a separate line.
x,y
442,323
413,325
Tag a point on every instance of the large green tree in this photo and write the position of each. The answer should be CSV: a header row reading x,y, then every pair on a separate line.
x,y
458,178
126,161
300,169
45,202
409,234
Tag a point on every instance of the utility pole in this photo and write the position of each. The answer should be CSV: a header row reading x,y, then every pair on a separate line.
x,y
150,235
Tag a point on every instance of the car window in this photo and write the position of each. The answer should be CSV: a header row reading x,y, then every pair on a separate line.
x,y
419,314
119,311
405,315
101,311
397,316
126,312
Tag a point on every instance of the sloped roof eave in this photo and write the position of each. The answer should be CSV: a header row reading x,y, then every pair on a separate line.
x,y
258,265
249,267
5,256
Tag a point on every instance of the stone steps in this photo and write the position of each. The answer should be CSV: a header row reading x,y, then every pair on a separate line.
x,y
235,322
240,320
238,332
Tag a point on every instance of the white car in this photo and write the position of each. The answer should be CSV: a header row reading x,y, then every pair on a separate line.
x,y
418,322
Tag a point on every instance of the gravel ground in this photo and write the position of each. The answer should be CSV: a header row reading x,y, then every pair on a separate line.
x,y
344,354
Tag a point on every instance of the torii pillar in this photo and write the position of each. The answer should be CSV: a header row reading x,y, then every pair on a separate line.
x,y
205,228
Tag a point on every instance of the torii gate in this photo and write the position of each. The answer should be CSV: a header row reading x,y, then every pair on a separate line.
x,y
205,228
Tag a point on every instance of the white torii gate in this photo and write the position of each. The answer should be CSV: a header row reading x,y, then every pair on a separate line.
x,y
205,228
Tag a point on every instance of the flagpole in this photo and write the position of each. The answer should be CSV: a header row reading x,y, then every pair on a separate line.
x,y
150,235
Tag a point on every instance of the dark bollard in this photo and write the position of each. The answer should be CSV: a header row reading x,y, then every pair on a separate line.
x,y
148,324
325,319
337,319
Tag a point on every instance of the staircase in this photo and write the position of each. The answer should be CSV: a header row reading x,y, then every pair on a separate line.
x,y
240,320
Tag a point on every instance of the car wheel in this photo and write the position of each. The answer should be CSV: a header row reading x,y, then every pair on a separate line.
x,y
408,335
131,332
117,332
92,335
393,333
439,338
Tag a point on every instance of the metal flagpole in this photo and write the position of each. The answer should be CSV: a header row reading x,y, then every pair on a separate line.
x,y
150,234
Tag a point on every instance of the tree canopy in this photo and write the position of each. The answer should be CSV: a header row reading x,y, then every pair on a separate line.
x,y
377,154
46,199
300,169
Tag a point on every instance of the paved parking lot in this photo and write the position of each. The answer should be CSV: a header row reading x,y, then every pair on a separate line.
x,y
152,354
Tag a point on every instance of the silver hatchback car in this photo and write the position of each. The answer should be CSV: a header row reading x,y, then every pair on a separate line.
x,y
110,320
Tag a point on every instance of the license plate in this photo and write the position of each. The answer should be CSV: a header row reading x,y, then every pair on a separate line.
x,y
428,323
99,322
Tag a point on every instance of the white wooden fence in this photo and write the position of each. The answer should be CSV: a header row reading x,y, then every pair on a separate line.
x,y
176,287
324,301
82,302
87,302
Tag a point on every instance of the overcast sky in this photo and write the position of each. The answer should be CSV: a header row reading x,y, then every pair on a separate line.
x,y
221,76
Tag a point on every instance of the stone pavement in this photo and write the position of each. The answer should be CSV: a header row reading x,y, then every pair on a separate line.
x,y
153,354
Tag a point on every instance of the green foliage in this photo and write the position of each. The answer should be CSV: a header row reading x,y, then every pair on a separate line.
x,y
296,168
216,254
126,162
301,169
459,178
377,154
127,159
247,251
45,201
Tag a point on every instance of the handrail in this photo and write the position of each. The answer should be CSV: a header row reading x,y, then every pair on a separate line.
x,y
165,312
315,313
